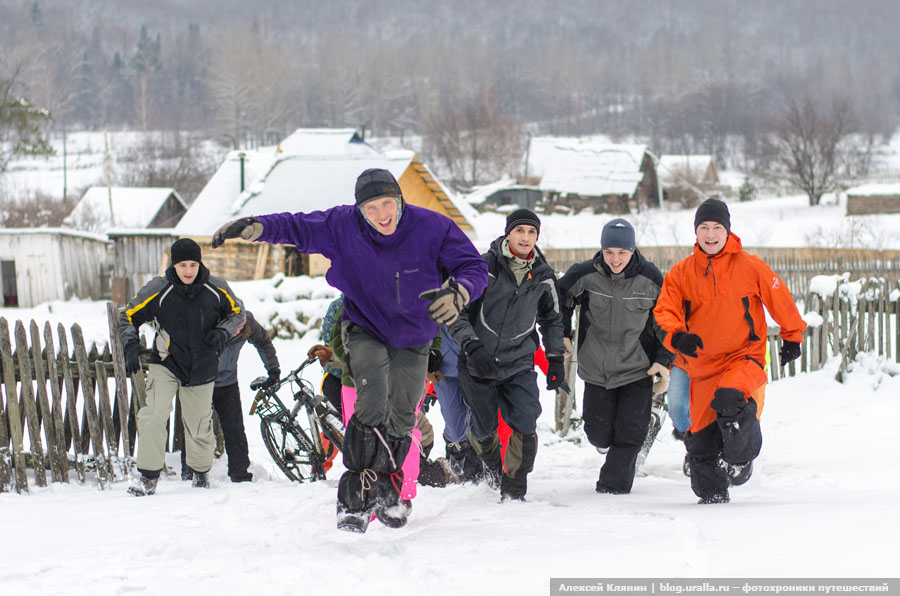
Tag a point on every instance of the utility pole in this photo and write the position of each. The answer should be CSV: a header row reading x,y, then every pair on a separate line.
x,y
107,170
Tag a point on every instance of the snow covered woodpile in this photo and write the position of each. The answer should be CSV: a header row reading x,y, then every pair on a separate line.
x,y
873,198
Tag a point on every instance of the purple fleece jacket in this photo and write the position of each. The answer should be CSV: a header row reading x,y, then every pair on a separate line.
x,y
382,276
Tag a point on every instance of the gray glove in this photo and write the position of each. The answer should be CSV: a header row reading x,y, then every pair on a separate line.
x,y
248,228
446,301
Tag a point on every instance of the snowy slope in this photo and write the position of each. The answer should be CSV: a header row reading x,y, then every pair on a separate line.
x,y
819,505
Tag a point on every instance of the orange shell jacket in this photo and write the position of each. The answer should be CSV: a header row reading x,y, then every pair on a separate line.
x,y
721,298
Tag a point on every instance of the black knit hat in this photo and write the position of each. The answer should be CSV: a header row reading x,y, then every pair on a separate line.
x,y
713,210
185,249
374,183
618,233
522,217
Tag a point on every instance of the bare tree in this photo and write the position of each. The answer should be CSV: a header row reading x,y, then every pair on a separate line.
x,y
809,147
21,125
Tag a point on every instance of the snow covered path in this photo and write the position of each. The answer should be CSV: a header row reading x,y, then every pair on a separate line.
x,y
819,505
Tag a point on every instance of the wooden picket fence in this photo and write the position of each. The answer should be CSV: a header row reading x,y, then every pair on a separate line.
x,y
79,425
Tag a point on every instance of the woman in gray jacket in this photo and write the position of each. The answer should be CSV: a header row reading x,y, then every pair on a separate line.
x,y
619,349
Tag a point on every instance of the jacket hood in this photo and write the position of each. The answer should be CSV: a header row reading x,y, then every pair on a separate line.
x,y
497,250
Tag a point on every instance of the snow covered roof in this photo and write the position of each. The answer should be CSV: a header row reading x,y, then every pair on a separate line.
x,y
587,168
696,168
311,170
133,208
874,190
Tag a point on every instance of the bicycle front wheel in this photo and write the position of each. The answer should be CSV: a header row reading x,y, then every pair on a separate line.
x,y
291,450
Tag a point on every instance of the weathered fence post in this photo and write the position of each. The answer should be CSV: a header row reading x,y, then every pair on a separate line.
x,y
71,423
13,414
55,391
121,402
29,407
54,452
90,406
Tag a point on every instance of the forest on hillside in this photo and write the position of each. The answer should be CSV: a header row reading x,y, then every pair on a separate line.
x,y
687,76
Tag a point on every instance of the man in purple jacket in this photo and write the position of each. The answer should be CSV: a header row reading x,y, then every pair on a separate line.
x,y
386,257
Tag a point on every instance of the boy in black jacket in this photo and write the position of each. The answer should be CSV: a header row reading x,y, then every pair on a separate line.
x,y
194,315
498,340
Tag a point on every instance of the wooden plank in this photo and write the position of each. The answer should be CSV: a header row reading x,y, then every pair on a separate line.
x,y
121,407
262,256
90,407
43,402
106,411
56,393
14,417
29,406
71,402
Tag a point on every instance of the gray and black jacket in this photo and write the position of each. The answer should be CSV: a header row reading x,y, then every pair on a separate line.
x,y
182,315
505,315
256,335
618,338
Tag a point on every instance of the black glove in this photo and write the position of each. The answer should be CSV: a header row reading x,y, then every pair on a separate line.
x,y
248,228
790,351
435,360
481,363
216,338
132,357
556,375
446,301
687,343
272,380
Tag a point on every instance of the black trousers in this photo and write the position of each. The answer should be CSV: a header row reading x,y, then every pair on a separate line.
x,y
618,419
227,403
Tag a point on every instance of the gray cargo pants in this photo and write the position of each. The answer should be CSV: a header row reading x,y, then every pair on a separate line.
x,y
389,381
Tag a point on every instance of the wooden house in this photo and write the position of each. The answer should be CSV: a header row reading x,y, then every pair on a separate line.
x,y
43,264
313,169
686,179
123,208
580,174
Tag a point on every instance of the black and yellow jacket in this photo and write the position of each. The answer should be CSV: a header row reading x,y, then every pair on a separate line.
x,y
182,315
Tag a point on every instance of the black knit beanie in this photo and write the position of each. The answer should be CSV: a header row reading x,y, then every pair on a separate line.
x,y
618,233
185,249
713,210
374,183
522,217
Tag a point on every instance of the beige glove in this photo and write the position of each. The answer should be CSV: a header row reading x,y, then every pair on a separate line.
x,y
662,384
248,228
446,302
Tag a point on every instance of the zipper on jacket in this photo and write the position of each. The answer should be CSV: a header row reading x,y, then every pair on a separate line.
x,y
397,276
749,318
709,267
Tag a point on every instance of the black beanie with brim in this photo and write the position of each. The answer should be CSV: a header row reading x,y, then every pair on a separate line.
x,y
521,217
375,183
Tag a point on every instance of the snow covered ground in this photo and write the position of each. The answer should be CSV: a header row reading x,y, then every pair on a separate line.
x,y
822,503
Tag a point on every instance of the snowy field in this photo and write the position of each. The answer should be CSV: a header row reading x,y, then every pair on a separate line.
x,y
823,502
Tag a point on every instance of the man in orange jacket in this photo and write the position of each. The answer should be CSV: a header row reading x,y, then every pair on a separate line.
x,y
711,309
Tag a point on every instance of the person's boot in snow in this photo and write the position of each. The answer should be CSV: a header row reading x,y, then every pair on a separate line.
x,y
464,462
686,466
739,474
434,473
144,486
520,454
488,449
390,509
356,488
716,498
200,479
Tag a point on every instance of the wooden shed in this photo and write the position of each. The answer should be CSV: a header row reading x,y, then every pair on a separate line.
x,y
578,174
43,264
102,209
686,179
873,198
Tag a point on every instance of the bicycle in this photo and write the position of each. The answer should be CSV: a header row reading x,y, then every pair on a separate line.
x,y
299,451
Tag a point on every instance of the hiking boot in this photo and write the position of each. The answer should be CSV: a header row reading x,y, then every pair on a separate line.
x,y
245,477
464,462
143,486
608,490
432,473
187,473
352,521
390,509
492,476
201,479
739,474
714,499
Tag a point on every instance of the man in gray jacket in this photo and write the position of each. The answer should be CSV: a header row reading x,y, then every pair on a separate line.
x,y
619,349
498,340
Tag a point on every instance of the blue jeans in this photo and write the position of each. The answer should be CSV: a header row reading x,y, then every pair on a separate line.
x,y
679,399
